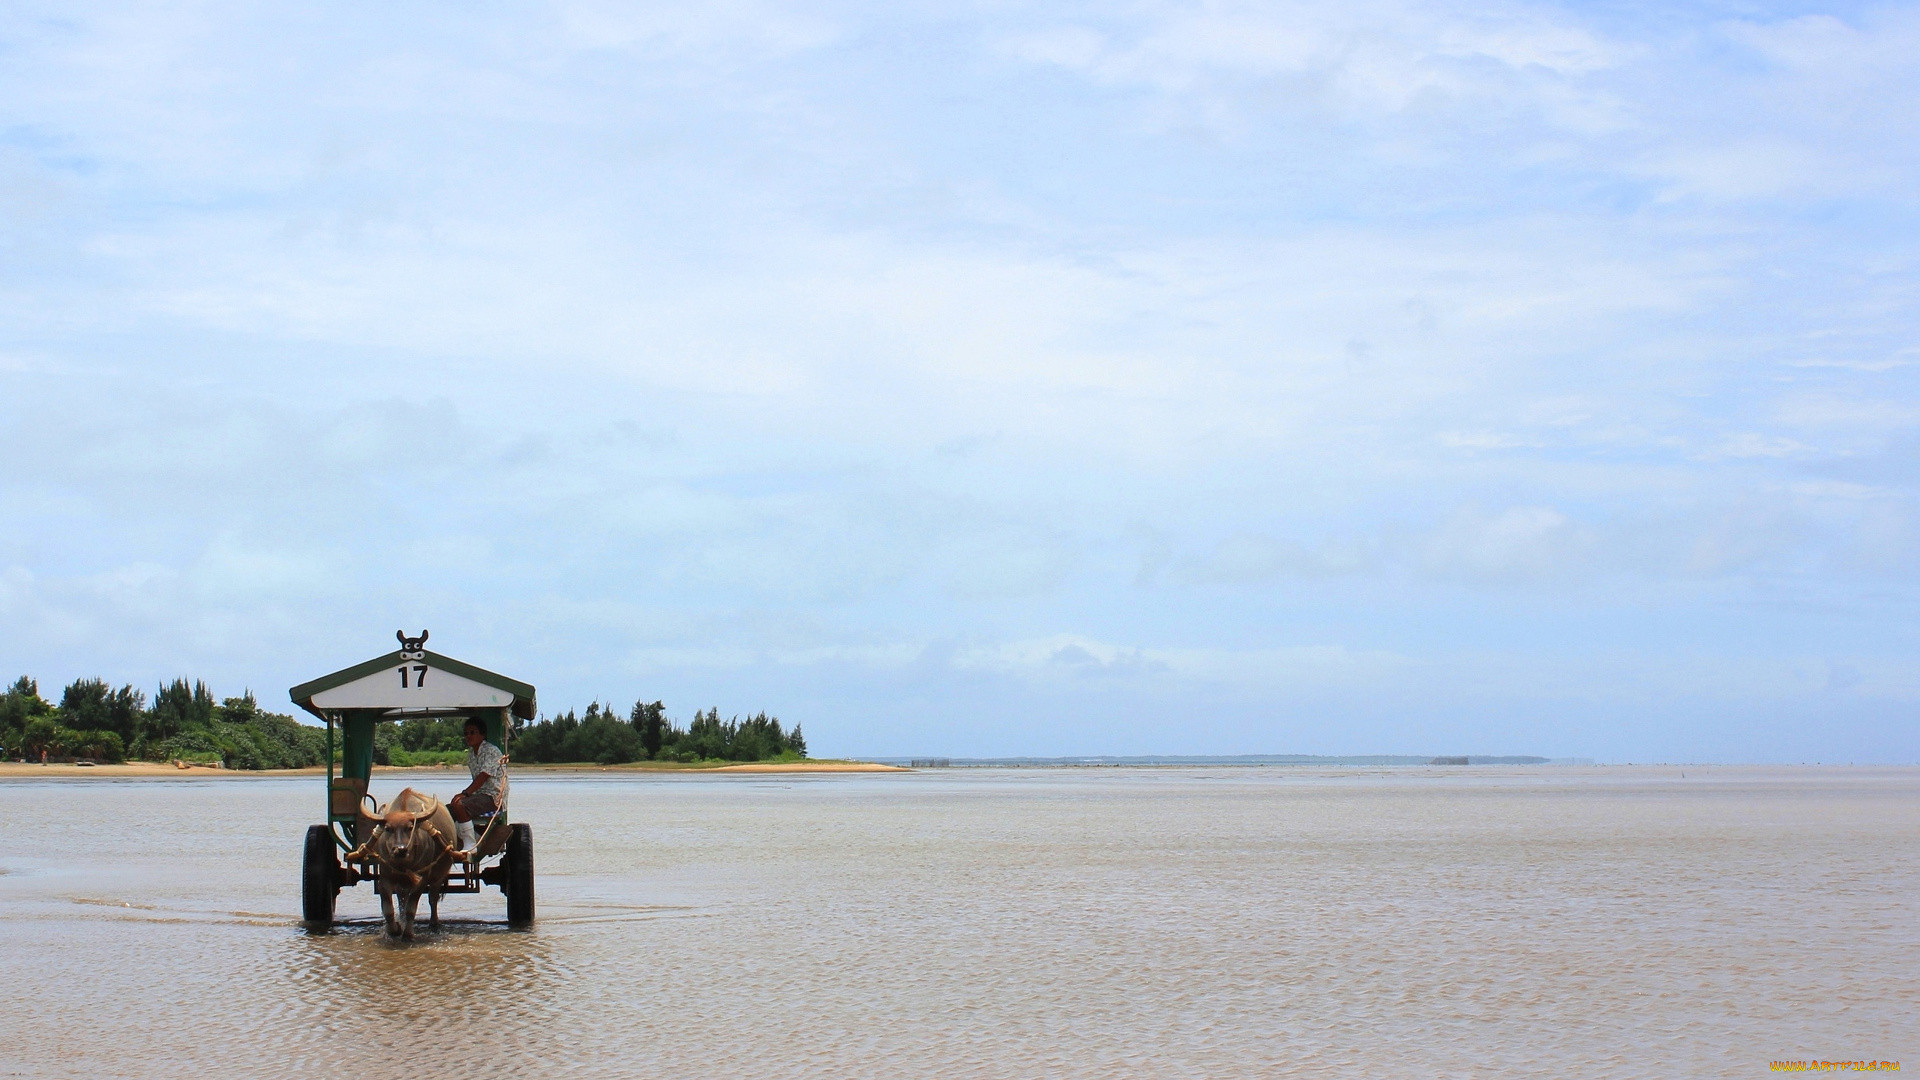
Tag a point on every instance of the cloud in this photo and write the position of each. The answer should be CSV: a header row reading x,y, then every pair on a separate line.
x,y
1527,543
1075,657
1376,56
1482,440
1244,557
753,31
1541,85
903,367
1751,445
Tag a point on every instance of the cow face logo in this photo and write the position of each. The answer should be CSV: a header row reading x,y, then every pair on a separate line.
x,y
412,648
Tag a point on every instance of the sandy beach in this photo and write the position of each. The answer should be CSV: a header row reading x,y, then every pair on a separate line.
x,y
154,769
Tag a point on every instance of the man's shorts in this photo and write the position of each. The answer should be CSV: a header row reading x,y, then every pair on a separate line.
x,y
475,805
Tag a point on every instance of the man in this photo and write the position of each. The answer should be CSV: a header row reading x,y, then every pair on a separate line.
x,y
487,765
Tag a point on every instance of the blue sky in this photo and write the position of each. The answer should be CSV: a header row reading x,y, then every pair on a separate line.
x,y
989,379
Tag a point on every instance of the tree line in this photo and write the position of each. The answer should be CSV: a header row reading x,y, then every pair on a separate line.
x,y
648,734
95,722
600,736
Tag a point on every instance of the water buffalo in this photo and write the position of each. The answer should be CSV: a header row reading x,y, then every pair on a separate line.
x,y
413,843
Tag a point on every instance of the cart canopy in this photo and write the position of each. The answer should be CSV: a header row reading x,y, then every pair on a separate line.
x,y
411,683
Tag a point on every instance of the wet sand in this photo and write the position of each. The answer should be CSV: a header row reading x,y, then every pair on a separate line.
x,y
989,923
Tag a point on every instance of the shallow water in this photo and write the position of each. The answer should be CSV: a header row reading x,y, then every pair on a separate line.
x,y
1019,923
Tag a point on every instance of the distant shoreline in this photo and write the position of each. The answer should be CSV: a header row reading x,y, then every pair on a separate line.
x,y
1658,772
1329,760
165,771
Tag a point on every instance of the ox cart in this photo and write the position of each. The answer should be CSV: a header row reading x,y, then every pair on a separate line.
x,y
409,682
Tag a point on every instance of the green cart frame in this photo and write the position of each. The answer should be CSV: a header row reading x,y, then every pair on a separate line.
x,y
409,682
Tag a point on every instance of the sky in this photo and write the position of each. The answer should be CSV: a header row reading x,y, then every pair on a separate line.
x,y
984,379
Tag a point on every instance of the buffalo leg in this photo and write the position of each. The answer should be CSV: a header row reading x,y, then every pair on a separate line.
x,y
386,910
433,909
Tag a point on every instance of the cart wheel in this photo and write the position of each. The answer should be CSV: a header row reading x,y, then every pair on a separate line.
x,y
519,888
319,878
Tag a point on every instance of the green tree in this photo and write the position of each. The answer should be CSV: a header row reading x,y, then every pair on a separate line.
x,y
296,745
650,722
424,733
648,733
96,745
544,741
95,721
192,745
603,739
178,710
43,734
21,703
252,738
92,705
385,738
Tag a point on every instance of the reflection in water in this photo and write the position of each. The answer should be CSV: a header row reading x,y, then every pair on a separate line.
x,y
1218,922
473,996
